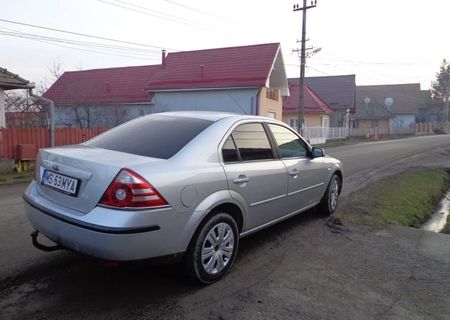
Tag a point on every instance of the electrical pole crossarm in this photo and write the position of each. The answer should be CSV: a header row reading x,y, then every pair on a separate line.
x,y
305,8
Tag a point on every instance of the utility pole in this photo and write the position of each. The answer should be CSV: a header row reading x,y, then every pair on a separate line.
x,y
301,106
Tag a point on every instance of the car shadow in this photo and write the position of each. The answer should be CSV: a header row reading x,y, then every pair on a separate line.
x,y
62,284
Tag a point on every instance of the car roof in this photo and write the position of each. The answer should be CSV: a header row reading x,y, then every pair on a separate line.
x,y
210,115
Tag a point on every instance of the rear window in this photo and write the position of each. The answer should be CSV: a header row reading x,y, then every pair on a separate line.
x,y
156,136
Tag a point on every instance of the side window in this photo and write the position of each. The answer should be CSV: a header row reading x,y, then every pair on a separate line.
x,y
289,144
229,152
252,142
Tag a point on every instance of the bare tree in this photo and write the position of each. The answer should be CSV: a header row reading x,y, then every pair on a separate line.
x,y
27,113
56,68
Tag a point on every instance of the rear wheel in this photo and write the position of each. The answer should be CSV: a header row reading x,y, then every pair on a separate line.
x,y
213,249
329,201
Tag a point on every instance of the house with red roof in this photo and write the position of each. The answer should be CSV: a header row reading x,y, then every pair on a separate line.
x,y
101,97
246,79
316,111
339,92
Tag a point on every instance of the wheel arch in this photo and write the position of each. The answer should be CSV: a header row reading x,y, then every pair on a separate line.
x,y
221,201
338,172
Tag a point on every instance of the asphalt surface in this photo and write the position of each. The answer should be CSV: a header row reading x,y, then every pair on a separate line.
x,y
299,269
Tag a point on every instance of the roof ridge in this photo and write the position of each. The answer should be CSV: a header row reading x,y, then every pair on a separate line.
x,y
318,99
13,75
388,84
223,48
114,68
330,76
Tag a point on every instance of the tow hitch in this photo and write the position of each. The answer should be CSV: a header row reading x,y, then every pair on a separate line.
x,y
41,246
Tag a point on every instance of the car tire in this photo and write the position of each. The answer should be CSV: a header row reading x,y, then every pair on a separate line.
x,y
329,202
212,249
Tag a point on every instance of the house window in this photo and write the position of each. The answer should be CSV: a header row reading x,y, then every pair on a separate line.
x,y
293,123
272,94
272,114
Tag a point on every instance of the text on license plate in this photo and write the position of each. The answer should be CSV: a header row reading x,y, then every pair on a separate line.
x,y
60,182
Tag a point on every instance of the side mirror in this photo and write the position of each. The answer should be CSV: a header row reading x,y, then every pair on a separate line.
x,y
317,152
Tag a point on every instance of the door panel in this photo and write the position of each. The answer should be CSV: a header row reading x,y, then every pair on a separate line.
x,y
263,185
253,172
308,185
306,176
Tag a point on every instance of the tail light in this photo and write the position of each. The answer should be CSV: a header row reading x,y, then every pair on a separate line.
x,y
129,189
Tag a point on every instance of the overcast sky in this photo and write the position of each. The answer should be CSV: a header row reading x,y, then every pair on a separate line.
x,y
381,41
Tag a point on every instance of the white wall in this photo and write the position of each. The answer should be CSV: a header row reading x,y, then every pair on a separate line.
x,y
233,100
404,120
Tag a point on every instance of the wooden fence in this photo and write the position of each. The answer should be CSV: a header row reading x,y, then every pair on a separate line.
x,y
40,137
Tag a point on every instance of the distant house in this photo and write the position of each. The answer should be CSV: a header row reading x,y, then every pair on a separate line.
x,y
339,92
9,81
373,115
247,79
430,110
101,97
316,111
401,100
25,119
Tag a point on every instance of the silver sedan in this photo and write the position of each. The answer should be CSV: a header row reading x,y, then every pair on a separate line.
x,y
182,186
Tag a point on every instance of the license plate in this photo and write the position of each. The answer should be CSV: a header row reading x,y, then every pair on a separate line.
x,y
60,182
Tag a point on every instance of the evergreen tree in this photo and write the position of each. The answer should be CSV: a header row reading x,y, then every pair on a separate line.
x,y
440,88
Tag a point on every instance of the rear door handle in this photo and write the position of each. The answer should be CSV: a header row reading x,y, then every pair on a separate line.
x,y
241,179
293,173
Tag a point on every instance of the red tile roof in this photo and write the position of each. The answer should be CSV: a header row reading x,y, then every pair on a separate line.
x,y
245,66
111,85
312,102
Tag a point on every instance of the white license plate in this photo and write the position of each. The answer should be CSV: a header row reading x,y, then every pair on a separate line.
x,y
60,182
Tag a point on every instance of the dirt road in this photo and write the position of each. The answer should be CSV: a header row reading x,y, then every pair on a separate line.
x,y
299,269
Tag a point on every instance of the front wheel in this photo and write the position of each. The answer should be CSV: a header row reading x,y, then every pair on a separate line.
x,y
212,249
329,201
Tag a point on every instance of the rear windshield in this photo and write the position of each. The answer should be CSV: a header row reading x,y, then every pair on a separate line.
x,y
156,136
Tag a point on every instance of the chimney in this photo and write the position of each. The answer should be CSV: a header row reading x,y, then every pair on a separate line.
x,y
202,70
163,57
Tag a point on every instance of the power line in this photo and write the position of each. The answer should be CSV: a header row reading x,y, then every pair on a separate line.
x,y
81,43
153,13
195,10
84,34
61,43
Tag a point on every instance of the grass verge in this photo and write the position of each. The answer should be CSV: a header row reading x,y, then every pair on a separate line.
x,y
446,229
12,178
408,199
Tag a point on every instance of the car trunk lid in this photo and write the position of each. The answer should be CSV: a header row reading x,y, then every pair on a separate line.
x,y
77,176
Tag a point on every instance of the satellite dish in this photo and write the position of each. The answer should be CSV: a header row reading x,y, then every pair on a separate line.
x,y
388,102
366,100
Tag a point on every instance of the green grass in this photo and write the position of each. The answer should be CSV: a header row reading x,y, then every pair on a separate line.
x,y
12,178
407,200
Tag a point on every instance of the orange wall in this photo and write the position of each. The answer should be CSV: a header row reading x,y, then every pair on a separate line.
x,y
267,105
311,119
383,123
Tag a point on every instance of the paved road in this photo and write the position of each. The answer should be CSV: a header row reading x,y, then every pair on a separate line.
x,y
297,269
373,155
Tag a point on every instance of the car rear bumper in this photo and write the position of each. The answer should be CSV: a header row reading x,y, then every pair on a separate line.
x,y
126,235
